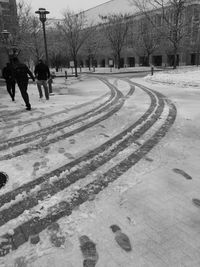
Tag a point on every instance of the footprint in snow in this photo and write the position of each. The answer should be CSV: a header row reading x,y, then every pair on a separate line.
x,y
18,167
61,150
137,143
148,159
57,240
56,237
196,202
46,150
69,156
53,228
102,126
89,252
34,239
20,262
105,135
121,238
44,163
15,185
36,165
184,174
39,124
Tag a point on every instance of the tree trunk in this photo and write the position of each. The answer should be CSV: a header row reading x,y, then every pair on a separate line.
x,y
75,66
89,65
175,58
147,60
118,60
197,58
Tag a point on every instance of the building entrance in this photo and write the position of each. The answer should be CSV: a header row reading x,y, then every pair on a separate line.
x,y
171,58
157,60
131,62
195,59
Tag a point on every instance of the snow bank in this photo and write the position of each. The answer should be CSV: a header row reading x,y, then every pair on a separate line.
x,y
182,77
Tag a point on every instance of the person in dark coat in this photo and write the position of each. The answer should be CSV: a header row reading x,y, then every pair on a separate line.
x,y
21,73
42,74
8,75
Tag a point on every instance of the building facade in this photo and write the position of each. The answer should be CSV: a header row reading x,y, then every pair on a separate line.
x,y
162,55
8,21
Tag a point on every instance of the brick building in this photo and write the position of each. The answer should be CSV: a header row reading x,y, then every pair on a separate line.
x,y
8,21
188,52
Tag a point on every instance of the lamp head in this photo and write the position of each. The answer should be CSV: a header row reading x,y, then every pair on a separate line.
x,y
42,14
5,34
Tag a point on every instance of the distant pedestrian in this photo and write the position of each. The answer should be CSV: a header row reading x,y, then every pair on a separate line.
x,y
21,73
42,74
8,75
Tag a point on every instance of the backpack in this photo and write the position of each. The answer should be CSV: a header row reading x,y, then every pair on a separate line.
x,y
20,71
7,73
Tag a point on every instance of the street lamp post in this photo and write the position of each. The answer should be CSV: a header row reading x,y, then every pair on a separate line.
x,y
42,15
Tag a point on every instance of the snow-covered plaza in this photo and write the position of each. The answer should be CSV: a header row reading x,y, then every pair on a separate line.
x,y
107,149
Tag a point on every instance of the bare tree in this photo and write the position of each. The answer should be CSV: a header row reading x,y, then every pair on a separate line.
x,y
34,38
146,40
76,31
56,46
24,20
116,28
27,35
167,17
90,49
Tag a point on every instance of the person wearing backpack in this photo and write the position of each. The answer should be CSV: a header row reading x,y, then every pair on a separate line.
x,y
42,74
8,75
21,74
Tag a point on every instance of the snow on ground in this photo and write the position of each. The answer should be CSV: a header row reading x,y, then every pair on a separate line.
x,y
149,202
66,103
183,77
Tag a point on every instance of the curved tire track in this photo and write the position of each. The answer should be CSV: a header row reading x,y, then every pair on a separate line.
x,y
115,95
7,197
64,208
114,106
92,161
66,110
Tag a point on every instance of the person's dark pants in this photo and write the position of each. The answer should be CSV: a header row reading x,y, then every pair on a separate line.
x,y
10,85
23,87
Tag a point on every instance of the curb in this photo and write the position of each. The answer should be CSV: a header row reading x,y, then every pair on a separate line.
x,y
123,72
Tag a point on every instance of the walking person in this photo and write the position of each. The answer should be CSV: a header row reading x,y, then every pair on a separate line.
x,y
21,74
42,74
8,75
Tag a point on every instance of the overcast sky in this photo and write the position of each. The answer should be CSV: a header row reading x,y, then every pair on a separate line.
x,y
56,7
